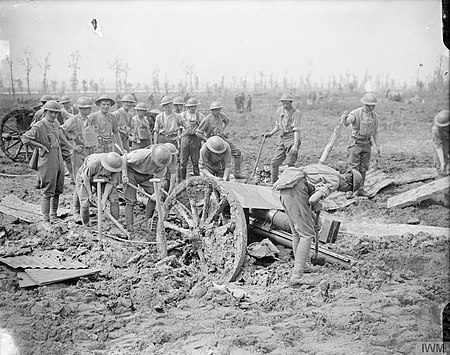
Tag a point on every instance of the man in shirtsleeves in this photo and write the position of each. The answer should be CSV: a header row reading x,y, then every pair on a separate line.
x,y
215,158
124,115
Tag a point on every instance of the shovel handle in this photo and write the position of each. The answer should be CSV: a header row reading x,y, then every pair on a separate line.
x,y
257,158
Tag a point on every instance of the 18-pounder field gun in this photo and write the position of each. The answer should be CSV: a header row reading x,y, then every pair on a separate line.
x,y
207,222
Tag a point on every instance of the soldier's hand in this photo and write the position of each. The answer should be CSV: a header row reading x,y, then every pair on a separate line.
x,y
317,207
43,150
125,180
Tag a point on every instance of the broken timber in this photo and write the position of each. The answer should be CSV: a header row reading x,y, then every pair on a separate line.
x,y
419,194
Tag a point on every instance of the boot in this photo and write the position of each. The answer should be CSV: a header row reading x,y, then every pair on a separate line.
x,y
275,171
183,172
114,209
45,210
361,192
129,216
301,257
54,203
149,209
237,168
195,169
85,216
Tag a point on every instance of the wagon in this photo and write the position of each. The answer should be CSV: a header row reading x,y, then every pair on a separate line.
x,y
12,126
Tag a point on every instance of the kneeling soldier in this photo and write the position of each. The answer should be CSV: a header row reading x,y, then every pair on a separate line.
x,y
215,158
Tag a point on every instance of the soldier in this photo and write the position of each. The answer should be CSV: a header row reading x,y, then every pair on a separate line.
x,y
364,122
141,165
105,166
441,140
81,133
249,103
214,125
39,113
301,190
106,125
65,101
151,100
123,117
189,141
178,104
47,136
141,130
288,120
215,158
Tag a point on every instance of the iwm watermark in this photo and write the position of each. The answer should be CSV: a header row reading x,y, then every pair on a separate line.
x,y
430,347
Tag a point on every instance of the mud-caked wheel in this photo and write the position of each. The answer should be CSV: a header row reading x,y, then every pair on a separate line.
x,y
12,126
208,225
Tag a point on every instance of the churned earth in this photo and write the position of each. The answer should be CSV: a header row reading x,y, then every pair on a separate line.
x,y
389,302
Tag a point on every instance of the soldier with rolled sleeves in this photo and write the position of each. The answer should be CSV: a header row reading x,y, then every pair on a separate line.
x,y
189,141
301,190
81,133
47,136
214,125
106,125
364,133
141,165
141,128
123,117
441,141
287,121
215,158
106,166
65,101
178,104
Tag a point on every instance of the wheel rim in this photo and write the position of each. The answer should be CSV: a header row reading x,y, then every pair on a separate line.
x,y
12,126
207,225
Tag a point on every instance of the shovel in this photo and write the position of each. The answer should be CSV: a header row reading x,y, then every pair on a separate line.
x,y
316,259
257,158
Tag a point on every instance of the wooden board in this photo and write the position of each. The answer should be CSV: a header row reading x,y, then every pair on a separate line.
x,y
414,175
336,201
48,276
375,181
374,229
420,193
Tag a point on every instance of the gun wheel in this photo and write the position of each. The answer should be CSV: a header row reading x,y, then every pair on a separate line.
x,y
206,227
12,126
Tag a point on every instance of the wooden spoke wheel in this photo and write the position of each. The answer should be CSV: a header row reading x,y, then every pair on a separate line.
x,y
12,126
208,227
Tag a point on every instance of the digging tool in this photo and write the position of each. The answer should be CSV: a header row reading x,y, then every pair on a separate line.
x,y
257,158
333,138
142,191
316,260
99,205
160,235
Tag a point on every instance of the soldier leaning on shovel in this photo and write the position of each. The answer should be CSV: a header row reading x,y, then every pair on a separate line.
x,y
441,141
301,190
48,137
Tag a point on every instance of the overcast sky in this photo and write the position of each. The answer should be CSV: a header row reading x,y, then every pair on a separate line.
x,y
230,38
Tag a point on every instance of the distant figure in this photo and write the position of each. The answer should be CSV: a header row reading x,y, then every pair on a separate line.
x,y
441,140
151,100
186,97
249,103
123,116
65,101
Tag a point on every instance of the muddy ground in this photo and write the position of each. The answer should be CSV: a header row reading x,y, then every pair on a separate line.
x,y
387,303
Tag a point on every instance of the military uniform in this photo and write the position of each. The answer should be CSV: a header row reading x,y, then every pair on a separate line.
x,y
441,140
168,127
215,163
124,124
190,143
107,127
141,132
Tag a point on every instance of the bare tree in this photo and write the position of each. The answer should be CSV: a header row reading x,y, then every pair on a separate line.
x,y
116,65
155,80
10,64
74,60
19,83
84,85
45,66
26,61
54,85
93,85
125,70
63,87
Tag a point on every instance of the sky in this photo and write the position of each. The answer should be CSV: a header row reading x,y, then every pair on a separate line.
x,y
240,39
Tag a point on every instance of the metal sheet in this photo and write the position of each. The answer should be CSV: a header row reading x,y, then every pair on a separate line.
x,y
43,259
48,276
25,280
254,196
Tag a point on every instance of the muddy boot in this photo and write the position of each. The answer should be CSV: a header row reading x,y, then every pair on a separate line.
x,y
85,216
114,209
295,241
274,174
301,257
129,216
149,209
237,168
183,172
54,203
361,192
45,210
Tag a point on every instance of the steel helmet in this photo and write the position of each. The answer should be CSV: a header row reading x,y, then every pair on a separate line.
x,y
357,179
216,144
56,98
286,97
215,105
154,111
52,105
369,99
104,98
141,107
64,99
161,155
178,101
192,102
128,98
112,161
84,102
45,98
442,119
166,100
172,148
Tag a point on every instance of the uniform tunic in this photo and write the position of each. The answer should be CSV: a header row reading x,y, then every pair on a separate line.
x,y
140,133
50,165
213,162
106,126
364,126
441,139
190,143
168,126
123,119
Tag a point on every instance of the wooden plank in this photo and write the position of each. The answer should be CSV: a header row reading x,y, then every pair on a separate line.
x,y
414,175
336,201
420,193
375,181
25,280
48,276
374,229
